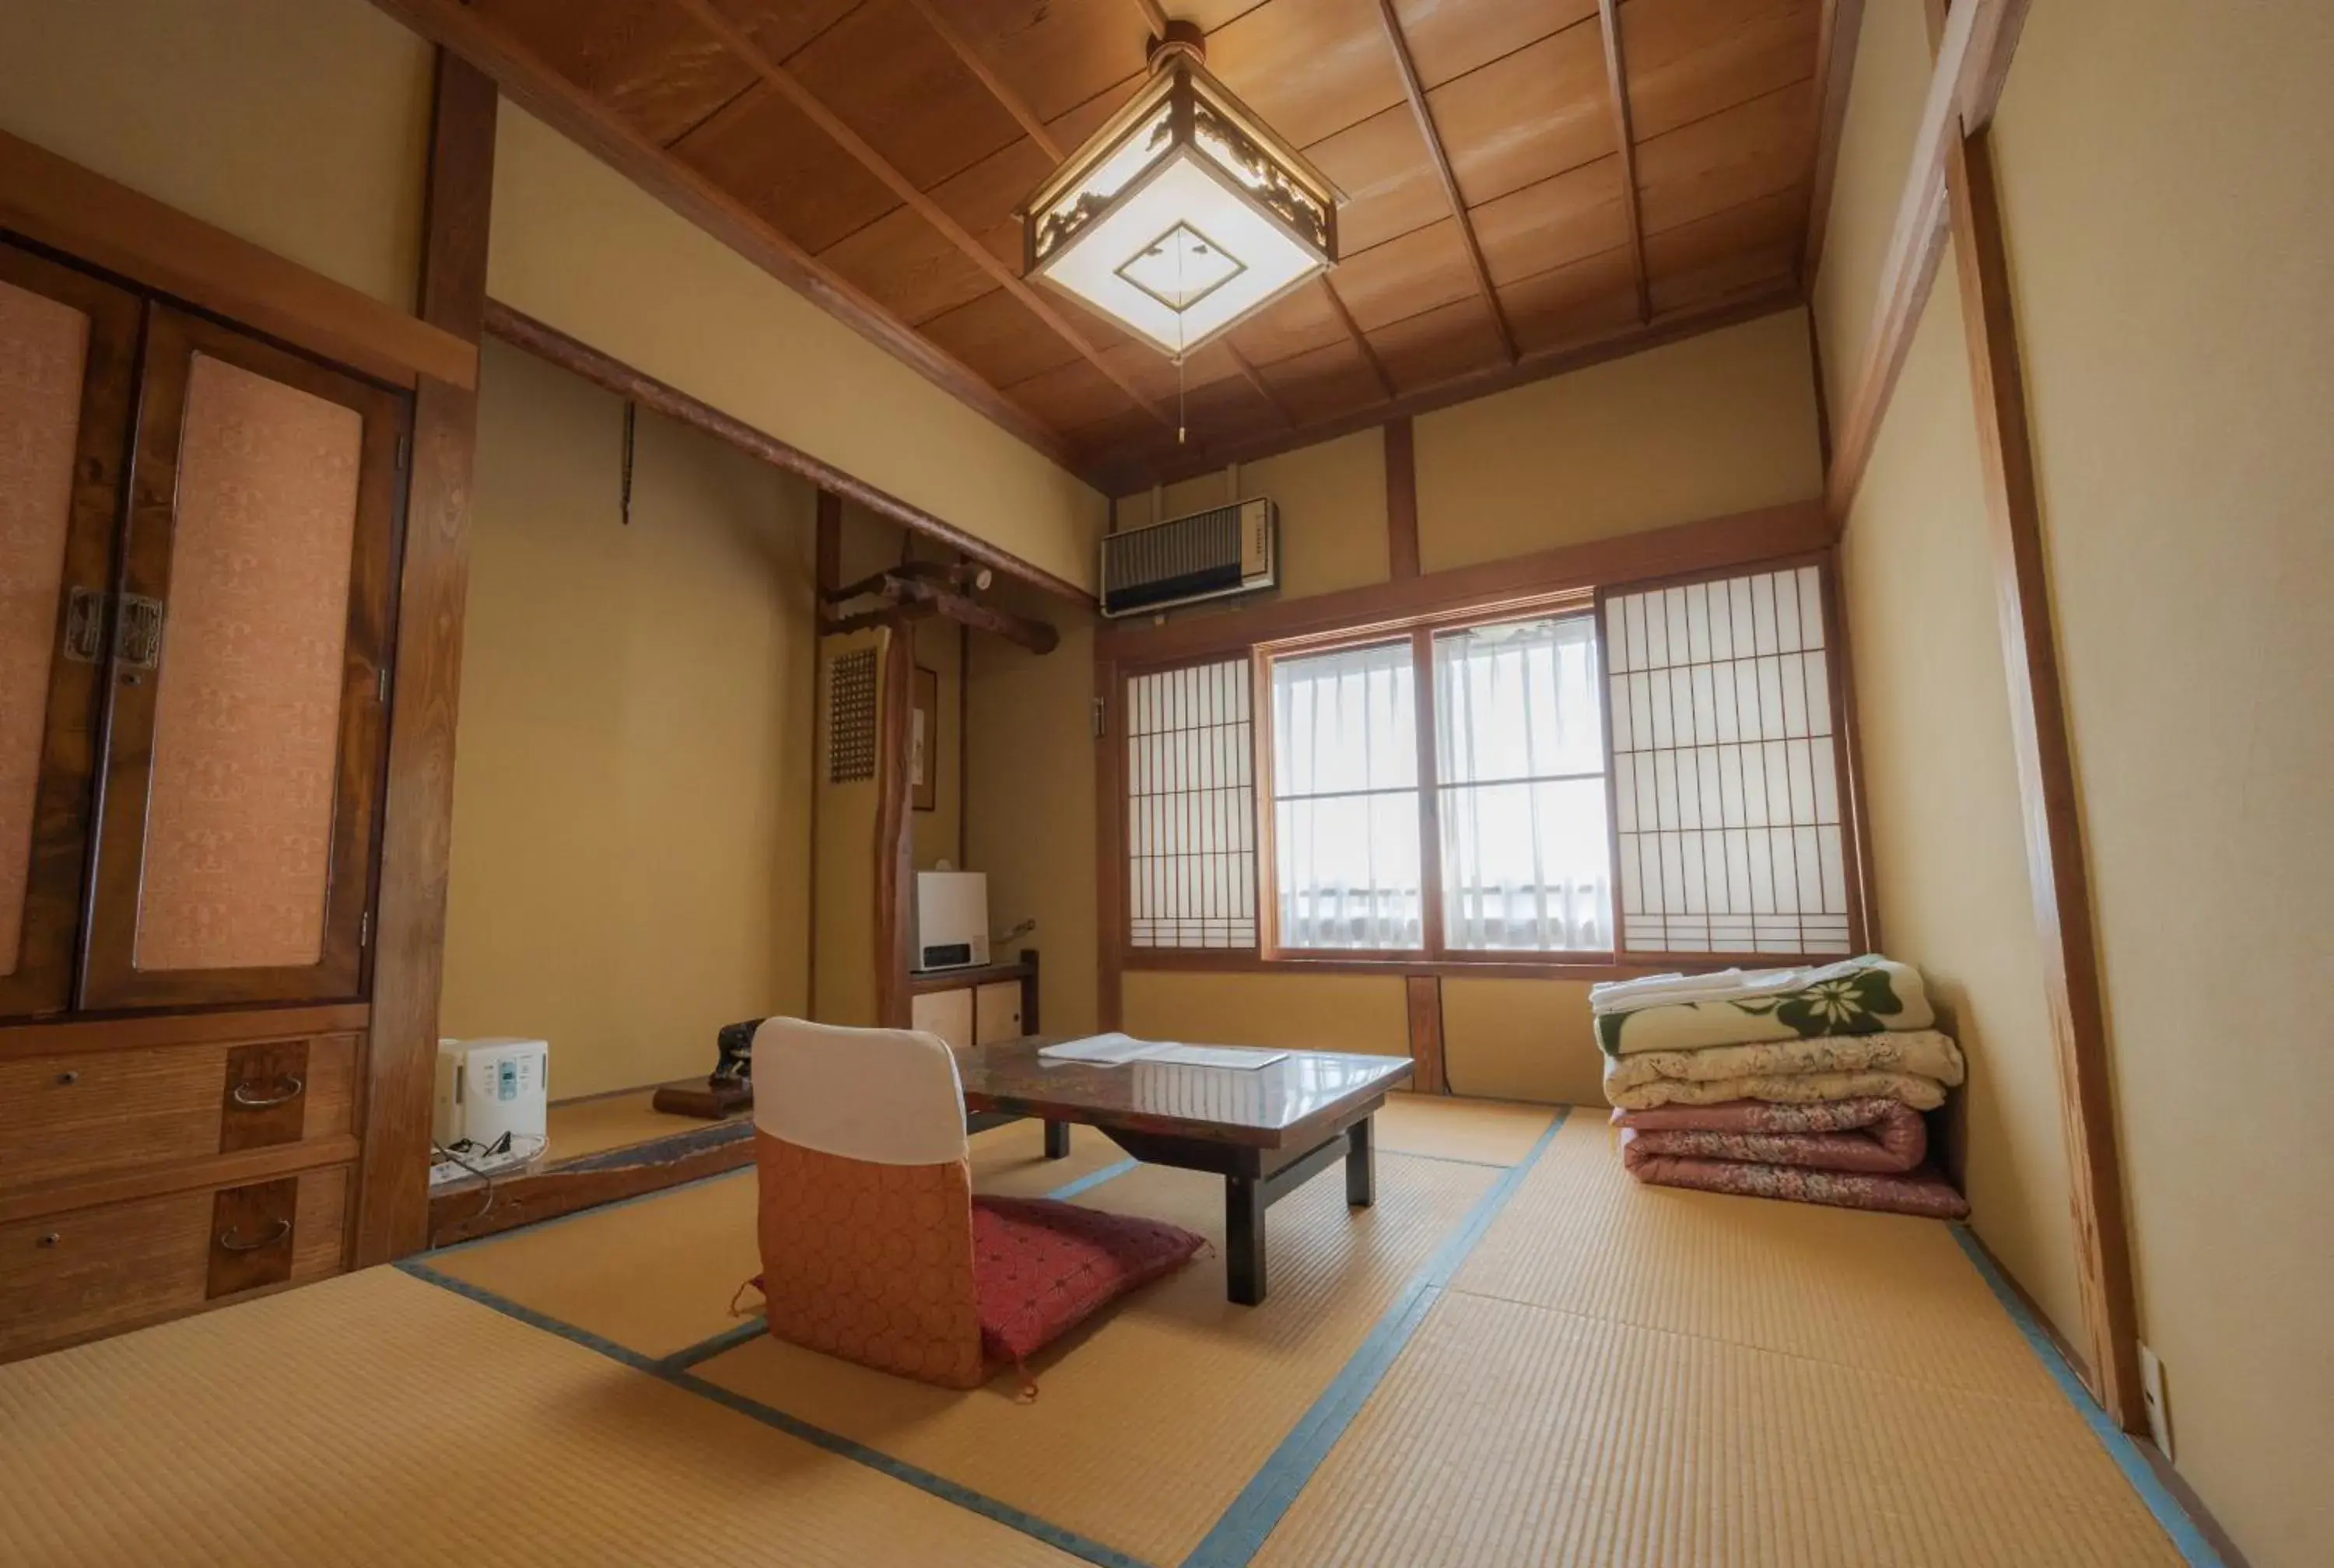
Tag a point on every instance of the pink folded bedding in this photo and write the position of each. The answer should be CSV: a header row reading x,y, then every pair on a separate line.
x,y
1878,1137
1920,1192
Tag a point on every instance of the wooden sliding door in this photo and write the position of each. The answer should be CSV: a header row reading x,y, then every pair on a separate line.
x,y
245,727
67,356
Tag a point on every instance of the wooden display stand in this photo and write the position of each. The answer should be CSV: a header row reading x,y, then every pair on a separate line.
x,y
711,1098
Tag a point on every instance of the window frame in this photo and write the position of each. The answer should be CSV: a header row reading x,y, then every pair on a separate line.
x,y
1434,950
1255,634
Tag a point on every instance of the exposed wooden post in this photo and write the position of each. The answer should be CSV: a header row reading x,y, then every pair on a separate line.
x,y
1402,498
417,822
1973,60
895,843
1109,699
2046,786
1424,995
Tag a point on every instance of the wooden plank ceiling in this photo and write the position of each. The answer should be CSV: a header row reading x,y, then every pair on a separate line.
x,y
1530,181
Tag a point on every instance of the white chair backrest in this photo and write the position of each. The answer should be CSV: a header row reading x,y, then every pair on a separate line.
x,y
886,1095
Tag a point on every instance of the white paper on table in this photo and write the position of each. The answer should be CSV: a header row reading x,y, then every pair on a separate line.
x,y
1110,1050
1114,1050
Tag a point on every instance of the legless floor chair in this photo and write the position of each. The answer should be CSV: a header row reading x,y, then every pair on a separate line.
x,y
873,1246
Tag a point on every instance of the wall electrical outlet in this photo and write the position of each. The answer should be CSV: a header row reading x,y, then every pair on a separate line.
x,y
2151,1393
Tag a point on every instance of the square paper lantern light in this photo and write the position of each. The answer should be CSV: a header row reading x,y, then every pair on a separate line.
x,y
1185,214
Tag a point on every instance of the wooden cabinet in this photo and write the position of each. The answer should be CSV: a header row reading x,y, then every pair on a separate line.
x,y
82,1115
947,1014
997,1012
71,1276
202,592
197,544
68,360
153,1167
977,1006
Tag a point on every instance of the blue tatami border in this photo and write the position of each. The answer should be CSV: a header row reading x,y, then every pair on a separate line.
x,y
1240,1533
673,1370
2186,1537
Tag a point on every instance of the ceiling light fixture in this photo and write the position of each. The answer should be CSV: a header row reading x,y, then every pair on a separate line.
x,y
1185,214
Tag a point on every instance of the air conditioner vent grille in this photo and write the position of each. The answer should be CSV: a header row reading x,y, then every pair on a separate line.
x,y
1208,555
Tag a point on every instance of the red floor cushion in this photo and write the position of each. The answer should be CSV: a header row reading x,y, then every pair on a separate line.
x,y
1041,1267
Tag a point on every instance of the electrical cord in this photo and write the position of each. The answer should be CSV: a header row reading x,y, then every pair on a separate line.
x,y
483,1173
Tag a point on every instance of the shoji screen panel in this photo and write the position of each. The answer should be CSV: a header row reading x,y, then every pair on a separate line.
x,y
1190,808
1727,780
234,861
66,342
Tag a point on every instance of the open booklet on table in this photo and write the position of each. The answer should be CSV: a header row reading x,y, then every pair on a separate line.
x,y
1113,1050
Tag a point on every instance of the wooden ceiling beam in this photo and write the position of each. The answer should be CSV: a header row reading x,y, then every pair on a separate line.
x,y
970,57
814,108
1154,16
1415,90
530,81
1361,341
1666,327
1841,24
1625,140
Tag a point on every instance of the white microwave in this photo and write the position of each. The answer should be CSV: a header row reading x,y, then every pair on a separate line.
x,y
951,919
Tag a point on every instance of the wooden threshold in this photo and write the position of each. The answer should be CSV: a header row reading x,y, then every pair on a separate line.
x,y
460,1211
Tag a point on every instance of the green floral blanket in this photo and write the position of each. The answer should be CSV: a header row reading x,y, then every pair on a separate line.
x,y
1856,996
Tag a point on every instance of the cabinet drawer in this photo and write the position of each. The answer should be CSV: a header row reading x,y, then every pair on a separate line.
x,y
69,1276
90,1113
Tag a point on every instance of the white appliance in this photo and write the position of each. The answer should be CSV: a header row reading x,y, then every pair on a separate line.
x,y
951,919
488,1087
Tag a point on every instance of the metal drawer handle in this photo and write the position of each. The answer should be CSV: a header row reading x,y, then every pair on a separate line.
x,y
229,1241
242,1095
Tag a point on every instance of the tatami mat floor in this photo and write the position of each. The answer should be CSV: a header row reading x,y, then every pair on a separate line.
x,y
1519,1356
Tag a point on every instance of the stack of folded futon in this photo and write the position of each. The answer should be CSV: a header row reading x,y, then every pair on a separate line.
x,y
1806,1084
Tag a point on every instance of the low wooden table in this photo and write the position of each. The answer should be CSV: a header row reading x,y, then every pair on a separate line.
x,y
1265,1131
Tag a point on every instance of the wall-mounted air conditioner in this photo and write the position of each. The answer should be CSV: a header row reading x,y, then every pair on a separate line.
x,y
1211,555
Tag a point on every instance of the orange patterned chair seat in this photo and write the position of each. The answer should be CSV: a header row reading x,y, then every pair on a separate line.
x,y
873,1247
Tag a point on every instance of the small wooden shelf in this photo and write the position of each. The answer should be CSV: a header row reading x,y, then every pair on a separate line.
x,y
923,981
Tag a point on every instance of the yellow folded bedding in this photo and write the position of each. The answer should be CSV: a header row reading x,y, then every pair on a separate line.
x,y
1924,1053
1783,1089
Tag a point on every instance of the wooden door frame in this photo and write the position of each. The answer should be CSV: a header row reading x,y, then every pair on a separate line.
x,y
56,852
111,975
393,1213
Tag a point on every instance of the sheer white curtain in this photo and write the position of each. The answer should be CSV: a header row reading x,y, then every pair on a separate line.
x,y
1344,741
1521,758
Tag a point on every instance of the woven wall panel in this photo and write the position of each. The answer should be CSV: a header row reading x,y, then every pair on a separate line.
x,y
44,347
850,717
246,724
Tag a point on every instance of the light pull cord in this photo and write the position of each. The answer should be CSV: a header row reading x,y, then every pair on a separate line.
x,y
1179,347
